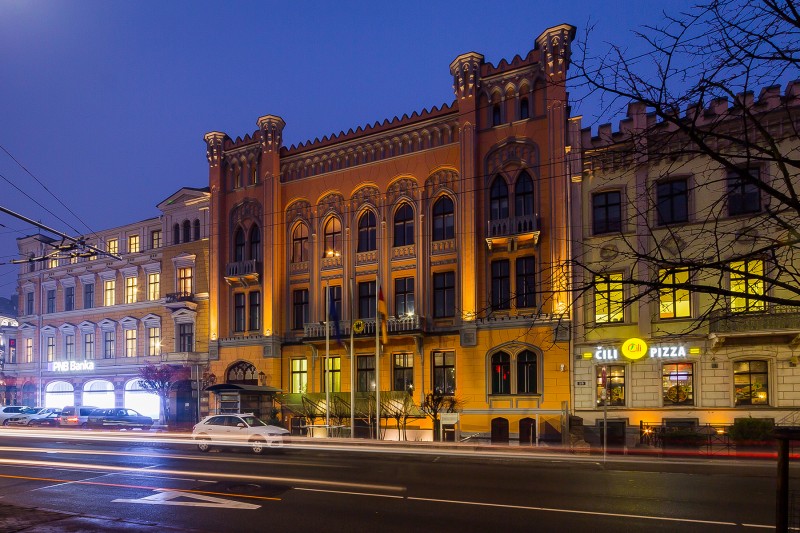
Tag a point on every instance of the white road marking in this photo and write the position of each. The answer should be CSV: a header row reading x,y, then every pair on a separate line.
x,y
352,493
169,497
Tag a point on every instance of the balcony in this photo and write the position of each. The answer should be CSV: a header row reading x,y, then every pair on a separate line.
x,y
395,326
242,273
779,319
512,231
180,300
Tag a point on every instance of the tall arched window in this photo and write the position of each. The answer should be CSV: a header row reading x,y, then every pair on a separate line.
x,y
523,195
333,237
501,373
443,219
238,245
496,115
176,234
242,373
187,231
526,373
498,207
367,232
255,243
300,244
196,229
524,111
404,226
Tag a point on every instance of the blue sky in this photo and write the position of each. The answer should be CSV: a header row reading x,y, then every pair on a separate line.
x,y
106,102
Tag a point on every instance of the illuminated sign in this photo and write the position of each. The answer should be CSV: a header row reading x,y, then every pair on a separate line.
x,y
663,352
71,366
605,354
634,349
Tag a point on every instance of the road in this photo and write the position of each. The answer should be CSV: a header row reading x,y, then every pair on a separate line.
x,y
341,488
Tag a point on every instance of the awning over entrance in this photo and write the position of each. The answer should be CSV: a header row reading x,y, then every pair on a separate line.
x,y
248,389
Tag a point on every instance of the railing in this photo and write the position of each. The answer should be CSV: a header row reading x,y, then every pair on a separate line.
x,y
512,226
405,324
241,268
175,297
779,317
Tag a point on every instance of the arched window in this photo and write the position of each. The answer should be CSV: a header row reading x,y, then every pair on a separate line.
x,y
523,195
255,243
58,394
524,111
196,229
300,244
496,115
140,400
237,177
238,245
501,373
333,237
254,174
242,373
404,226
498,208
526,373
187,231
99,393
443,226
176,234
367,232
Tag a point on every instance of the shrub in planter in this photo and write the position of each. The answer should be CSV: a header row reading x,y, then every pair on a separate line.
x,y
752,431
683,438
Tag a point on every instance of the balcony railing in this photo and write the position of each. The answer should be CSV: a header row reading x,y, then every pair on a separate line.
x,y
506,227
405,324
777,318
241,268
175,297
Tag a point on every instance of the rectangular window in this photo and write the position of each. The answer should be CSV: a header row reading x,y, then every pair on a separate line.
x,y
69,298
744,195
672,201
526,282
501,285
186,337
154,341
154,286
238,311
12,351
51,301
606,212
334,375
51,349
112,246
69,347
155,239
674,301
299,308
109,344
130,343
747,280
29,350
88,296
29,303
133,244
52,263
367,297
677,384
444,294
255,310
403,297
608,298
403,372
185,280
615,384
365,373
109,290
444,372
299,376
131,290
751,383
88,346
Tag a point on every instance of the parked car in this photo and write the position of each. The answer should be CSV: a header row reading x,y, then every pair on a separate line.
x,y
74,416
10,411
238,429
30,413
50,420
118,418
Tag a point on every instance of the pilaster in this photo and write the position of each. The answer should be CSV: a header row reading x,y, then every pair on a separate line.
x,y
216,238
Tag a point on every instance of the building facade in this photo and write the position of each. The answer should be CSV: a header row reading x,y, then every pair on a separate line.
x,y
89,322
678,356
457,215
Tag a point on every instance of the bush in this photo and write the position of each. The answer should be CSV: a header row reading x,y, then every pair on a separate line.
x,y
683,438
752,431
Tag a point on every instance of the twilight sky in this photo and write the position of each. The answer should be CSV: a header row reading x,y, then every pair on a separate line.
x,y
106,102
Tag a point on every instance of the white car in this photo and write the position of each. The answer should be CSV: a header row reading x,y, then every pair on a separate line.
x,y
238,429
30,413
10,411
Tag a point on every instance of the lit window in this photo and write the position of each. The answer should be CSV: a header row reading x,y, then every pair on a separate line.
x,y
747,279
751,382
185,281
674,301
608,297
677,384
29,350
133,244
51,349
112,246
131,288
615,384
154,286
52,263
154,341
130,343
155,239
333,237
109,288
299,375
333,375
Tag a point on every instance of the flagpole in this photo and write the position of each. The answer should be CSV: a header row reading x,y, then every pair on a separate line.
x,y
352,368
327,354
377,357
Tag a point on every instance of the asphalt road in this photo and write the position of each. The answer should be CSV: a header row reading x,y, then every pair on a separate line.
x,y
348,489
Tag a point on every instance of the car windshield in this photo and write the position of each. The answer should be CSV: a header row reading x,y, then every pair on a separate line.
x,y
253,421
30,411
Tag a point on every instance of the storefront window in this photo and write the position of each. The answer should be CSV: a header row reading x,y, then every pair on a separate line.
x,y
677,384
750,382
615,383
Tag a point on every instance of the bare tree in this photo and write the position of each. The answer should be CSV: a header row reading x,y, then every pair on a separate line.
x,y
436,403
692,111
159,380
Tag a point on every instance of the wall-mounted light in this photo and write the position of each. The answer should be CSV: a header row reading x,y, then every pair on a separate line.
x,y
268,333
